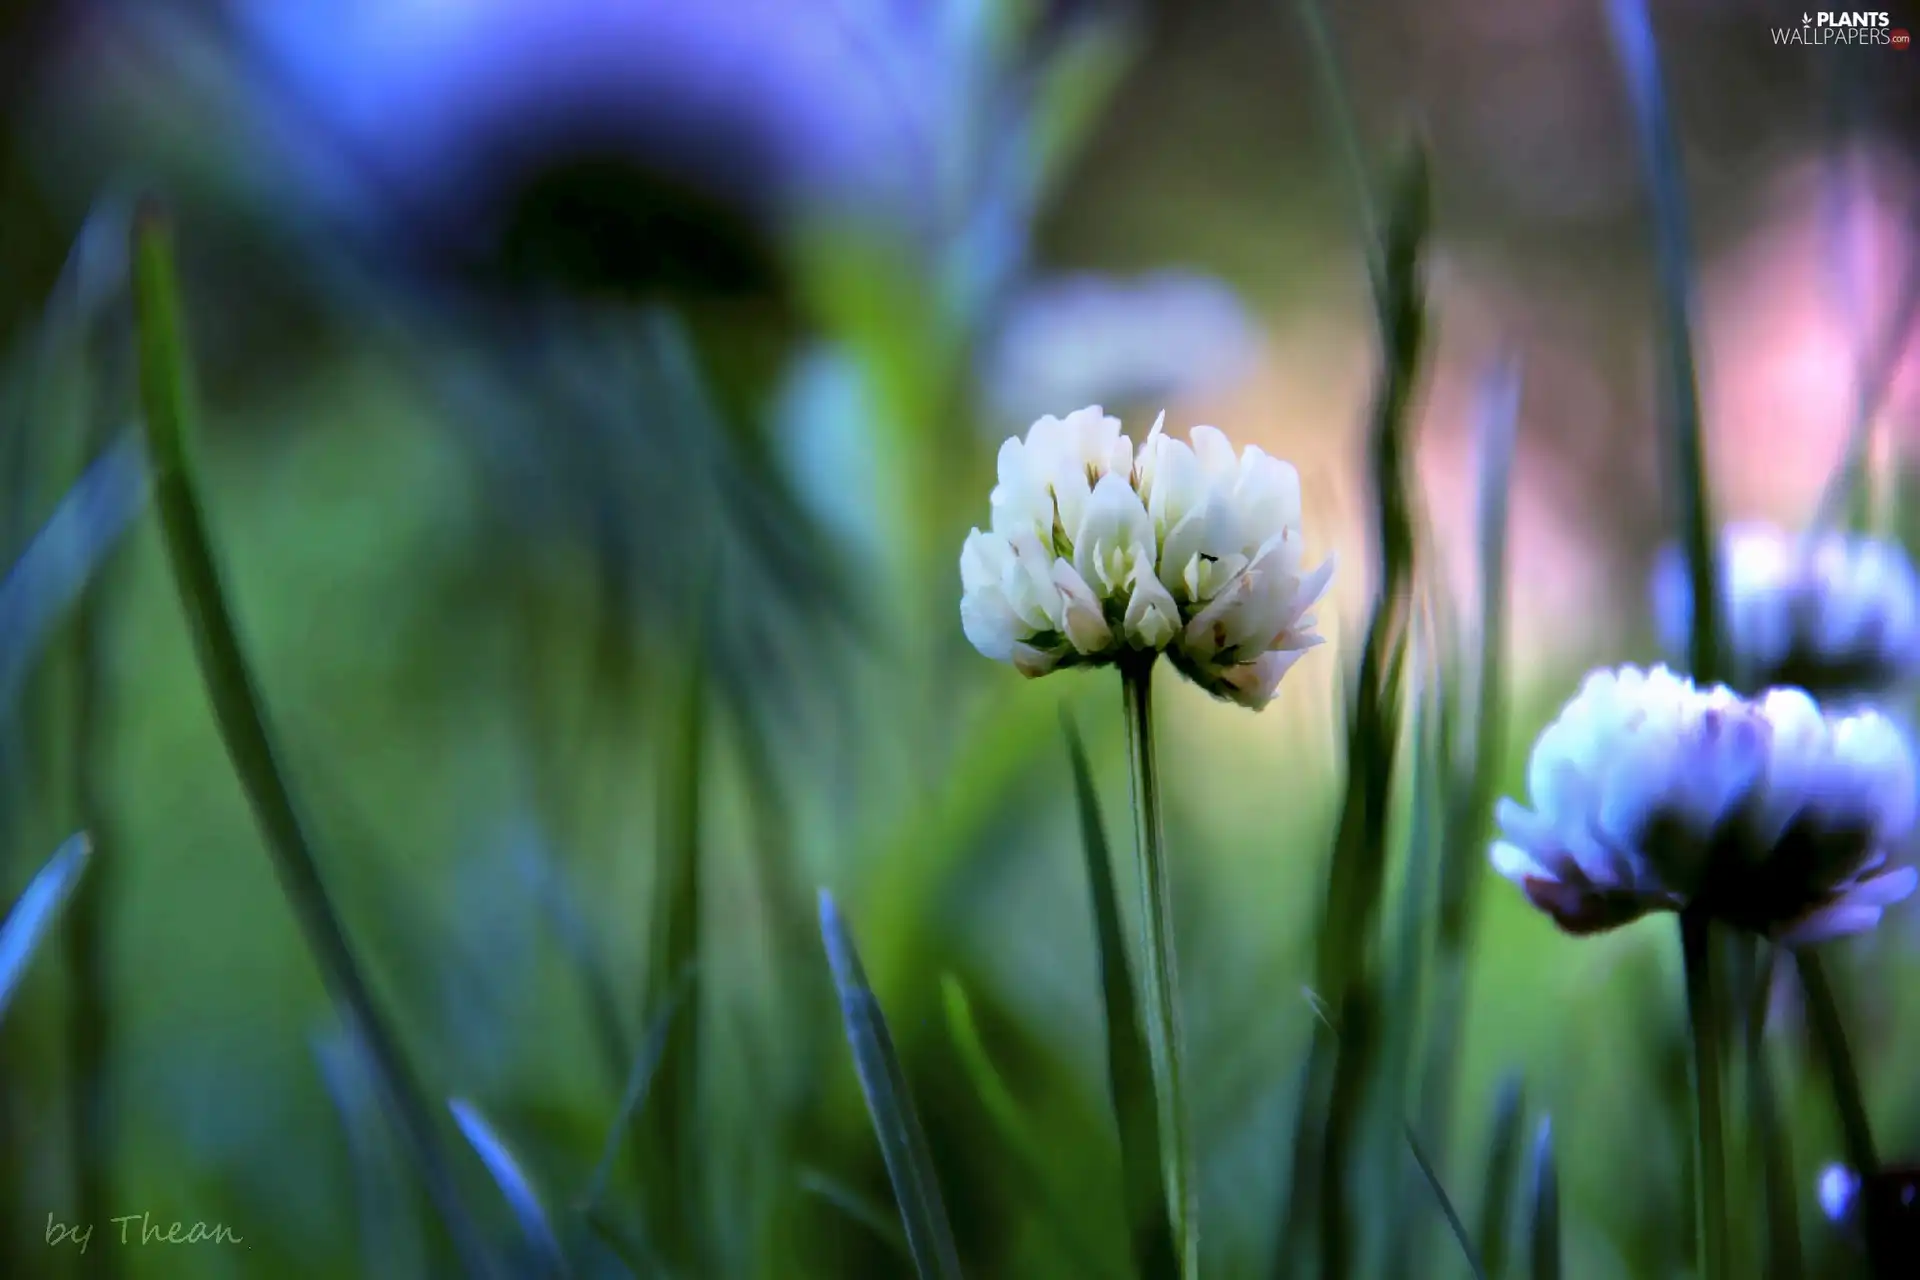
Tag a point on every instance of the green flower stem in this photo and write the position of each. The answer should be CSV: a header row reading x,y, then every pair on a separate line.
x,y
1705,1021
1156,915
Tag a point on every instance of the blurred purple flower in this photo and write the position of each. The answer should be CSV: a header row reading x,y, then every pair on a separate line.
x,y
1839,1187
1140,342
465,119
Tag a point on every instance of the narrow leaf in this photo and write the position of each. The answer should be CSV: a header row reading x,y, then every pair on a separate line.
x,y
166,397
514,1185
902,1143
1129,1062
675,1145
1680,412
1503,1174
51,574
857,1208
1543,1217
34,914
1337,102
1015,1131
1327,1124
1770,1133
1445,1201
639,1081
389,1224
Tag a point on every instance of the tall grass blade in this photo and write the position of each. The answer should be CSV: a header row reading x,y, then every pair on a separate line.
x,y
1445,1202
1405,1229
1328,1114
1471,801
389,1226
1782,1210
1829,1034
515,1187
1544,1251
165,385
552,887
1337,102
1495,1230
51,574
646,1062
857,1208
1639,58
37,910
1129,1064
1878,367
676,1187
1016,1131
902,1143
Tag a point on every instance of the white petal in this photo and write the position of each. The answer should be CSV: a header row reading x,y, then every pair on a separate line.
x,y
1085,623
1153,619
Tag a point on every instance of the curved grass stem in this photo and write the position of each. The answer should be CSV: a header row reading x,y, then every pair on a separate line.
x,y
1160,969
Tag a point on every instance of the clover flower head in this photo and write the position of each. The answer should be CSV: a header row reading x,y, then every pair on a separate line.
x,y
1651,794
1097,550
1836,614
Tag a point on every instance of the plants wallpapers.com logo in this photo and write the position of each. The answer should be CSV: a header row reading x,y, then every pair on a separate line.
x,y
1844,28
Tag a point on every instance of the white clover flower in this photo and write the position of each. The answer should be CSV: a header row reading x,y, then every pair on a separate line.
x,y
1650,794
1836,615
1187,549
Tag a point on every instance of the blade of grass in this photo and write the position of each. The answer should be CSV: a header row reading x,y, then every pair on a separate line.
x,y
35,912
1783,1258
1445,1202
1638,53
1337,103
515,1187
53,571
1470,806
1016,1133
646,1061
90,1096
1873,380
166,398
1639,58
1503,1175
552,887
1338,1069
902,1144
674,1139
1543,1213
1830,1038
389,1225
857,1207
1129,1062
1411,941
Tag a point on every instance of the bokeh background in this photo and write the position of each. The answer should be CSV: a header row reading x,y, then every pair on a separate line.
x,y
595,397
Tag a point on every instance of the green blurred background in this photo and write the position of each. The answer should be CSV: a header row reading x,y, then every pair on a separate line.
x,y
544,388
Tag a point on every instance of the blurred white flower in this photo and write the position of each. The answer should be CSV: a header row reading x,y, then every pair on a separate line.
x,y
1189,549
1837,615
1088,338
1768,814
